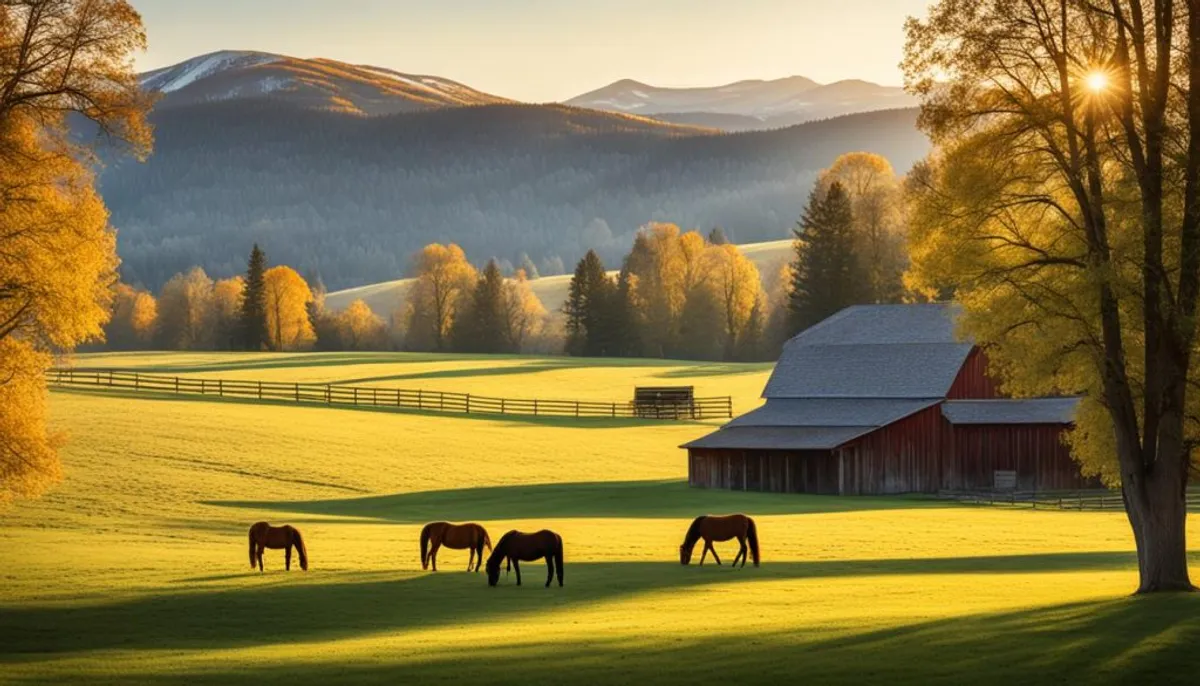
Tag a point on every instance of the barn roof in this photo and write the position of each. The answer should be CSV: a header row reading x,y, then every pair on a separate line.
x,y
780,437
809,423
834,412
873,351
1025,411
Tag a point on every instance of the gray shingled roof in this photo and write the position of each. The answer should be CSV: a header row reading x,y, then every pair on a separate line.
x,y
835,412
903,370
1023,411
779,437
882,325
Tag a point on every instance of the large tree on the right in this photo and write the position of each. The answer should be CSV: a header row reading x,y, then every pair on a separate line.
x,y
1061,209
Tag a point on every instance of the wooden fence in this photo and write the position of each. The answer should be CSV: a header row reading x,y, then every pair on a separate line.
x,y
368,396
1055,500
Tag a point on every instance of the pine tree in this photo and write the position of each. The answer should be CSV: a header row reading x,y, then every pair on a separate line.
x,y
717,236
590,300
826,274
575,309
480,327
254,302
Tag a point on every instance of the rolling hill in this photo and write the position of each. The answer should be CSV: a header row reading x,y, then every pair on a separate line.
x,y
746,105
349,198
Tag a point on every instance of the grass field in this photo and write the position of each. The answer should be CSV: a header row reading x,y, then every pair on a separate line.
x,y
135,568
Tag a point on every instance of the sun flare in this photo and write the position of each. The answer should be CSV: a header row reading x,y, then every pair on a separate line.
x,y
1097,81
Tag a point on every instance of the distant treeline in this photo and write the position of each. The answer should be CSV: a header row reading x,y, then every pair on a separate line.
x,y
348,199
677,295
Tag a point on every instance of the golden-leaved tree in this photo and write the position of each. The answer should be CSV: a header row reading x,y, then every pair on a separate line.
x,y
227,312
359,328
1063,212
134,318
287,300
57,252
444,283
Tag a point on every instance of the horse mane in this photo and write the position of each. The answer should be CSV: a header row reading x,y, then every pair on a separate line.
x,y
693,532
498,552
300,548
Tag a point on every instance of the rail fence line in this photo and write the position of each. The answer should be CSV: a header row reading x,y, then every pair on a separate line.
x,y
1097,499
367,396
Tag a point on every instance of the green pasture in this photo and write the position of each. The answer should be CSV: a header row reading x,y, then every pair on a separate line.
x,y
135,568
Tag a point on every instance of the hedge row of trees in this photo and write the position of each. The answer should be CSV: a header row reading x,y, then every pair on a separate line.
x,y
268,309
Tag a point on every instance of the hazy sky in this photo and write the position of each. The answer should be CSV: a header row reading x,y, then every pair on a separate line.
x,y
542,50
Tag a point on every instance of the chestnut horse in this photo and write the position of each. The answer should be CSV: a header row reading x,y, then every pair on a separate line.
x,y
457,536
263,535
712,528
517,547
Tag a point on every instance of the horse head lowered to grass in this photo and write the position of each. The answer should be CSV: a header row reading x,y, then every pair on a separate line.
x,y
517,547
713,528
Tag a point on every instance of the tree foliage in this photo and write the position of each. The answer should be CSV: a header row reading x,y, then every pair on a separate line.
x,y
287,299
827,274
134,318
444,282
1063,212
253,323
57,251
185,312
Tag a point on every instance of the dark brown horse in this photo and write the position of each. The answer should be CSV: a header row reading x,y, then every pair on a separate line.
x,y
517,547
712,528
263,535
457,536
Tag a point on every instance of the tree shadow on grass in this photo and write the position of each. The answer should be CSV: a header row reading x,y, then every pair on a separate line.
x,y
1125,641
295,607
593,422
624,499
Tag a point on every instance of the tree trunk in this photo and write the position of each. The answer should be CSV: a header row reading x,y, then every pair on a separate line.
x,y
1161,533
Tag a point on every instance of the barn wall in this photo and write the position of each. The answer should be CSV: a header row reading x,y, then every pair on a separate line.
x,y
764,470
1035,452
903,457
973,381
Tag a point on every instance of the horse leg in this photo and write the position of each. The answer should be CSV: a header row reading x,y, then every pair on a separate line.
x,y
741,552
517,569
471,559
287,558
433,554
704,553
549,569
714,552
261,548
478,555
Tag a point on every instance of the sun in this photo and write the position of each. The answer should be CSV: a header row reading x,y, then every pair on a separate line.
x,y
1097,81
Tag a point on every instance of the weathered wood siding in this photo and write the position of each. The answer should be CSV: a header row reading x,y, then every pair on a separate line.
x,y
903,457
973,381
1035,452
764,470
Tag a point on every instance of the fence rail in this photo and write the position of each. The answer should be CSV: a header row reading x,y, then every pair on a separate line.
x,y
370,396
1098,499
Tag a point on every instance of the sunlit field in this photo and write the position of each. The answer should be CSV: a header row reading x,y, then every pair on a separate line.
x,y
135,568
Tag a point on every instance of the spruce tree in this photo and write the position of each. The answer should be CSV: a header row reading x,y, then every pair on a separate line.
x,y
254,303
480,327
717,236
575,309
826,273
591,299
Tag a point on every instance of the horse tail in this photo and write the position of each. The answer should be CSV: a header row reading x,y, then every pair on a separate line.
x,y
487,541
252,563
301,549
425,546
752,535
558,558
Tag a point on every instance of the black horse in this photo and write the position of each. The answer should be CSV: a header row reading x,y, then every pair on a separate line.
x,y
517,547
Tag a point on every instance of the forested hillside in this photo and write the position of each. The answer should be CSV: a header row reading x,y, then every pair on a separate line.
x,y
350,198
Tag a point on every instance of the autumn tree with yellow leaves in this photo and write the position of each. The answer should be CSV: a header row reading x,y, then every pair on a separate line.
x,y
444,282
287,297
134,318
1063,212
57,58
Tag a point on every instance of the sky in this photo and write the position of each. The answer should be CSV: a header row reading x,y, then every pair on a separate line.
x,y
550,50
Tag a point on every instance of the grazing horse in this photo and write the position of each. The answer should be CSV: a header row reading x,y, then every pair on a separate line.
x,y
712,528
516,547
263,535
457,536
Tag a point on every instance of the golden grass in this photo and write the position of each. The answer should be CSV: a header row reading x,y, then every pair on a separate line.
x,y
136,569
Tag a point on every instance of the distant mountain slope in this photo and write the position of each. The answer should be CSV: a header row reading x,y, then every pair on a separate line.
x,y
316,83
746,105
350,198
389,297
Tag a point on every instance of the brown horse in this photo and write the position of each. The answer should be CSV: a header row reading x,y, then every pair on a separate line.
x,y
516,547
712,528
263,535
457,536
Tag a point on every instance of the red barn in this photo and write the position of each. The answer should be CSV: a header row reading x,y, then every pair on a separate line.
x,y
882,399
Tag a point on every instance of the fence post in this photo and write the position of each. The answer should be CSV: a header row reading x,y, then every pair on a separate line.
x,y
356,396
468,403
221,387
135,381
420,406
328,395
374,396
535,407
614,409
502,406
441,401
576,408
110,378
297,391
260,390
177,385
202,387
